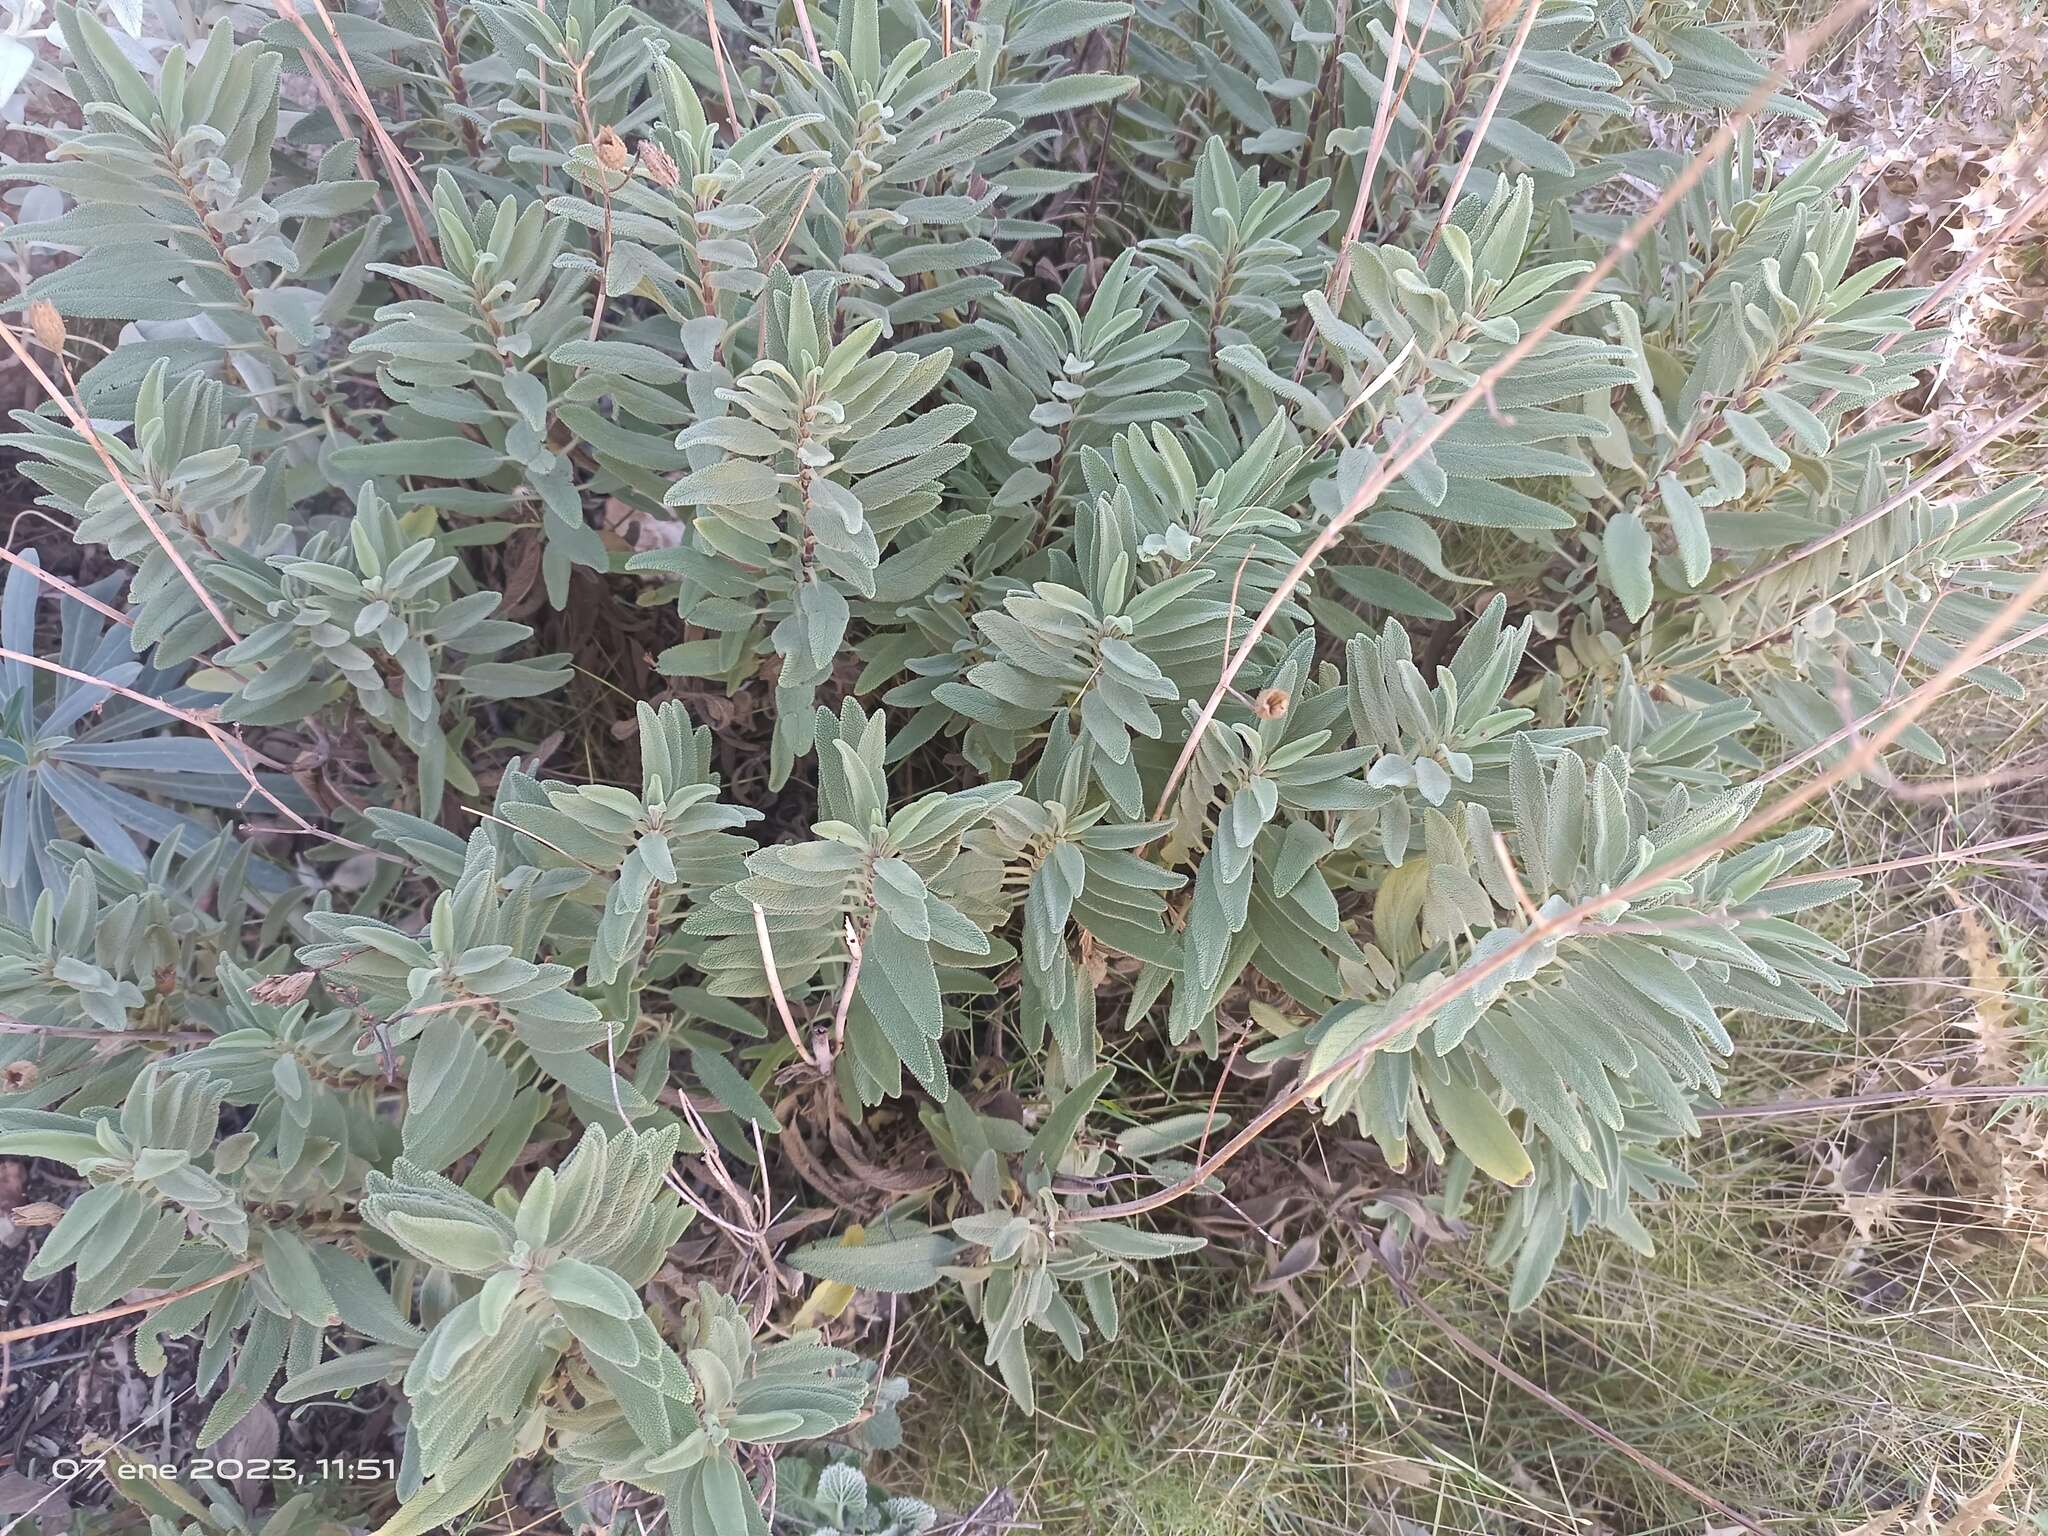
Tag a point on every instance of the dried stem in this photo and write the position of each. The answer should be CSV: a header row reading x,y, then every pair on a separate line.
x,y
9,1024
238,755
1382,124
604,268
59,584
732,114
404,181
1500,87
839,1012
1399,461
1110,109
108,1314
74,413
1934,1093
1863,722
796,1038
1918,485
803,21
1566,923
1952,856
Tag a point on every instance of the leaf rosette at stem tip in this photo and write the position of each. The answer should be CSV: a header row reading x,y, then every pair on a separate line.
x,y
879,900
1022,1260
371,622
551,1285
803,482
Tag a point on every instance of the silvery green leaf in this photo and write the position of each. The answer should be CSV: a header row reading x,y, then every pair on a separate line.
x,y
1625,562
899,1264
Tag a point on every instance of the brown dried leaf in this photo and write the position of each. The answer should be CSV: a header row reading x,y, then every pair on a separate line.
x,y
1990,994
1981,1507
1303,1256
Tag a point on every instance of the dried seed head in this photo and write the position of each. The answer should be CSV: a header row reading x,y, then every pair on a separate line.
x,y
661,169
46,325
283,991
17,1075
1271,703
611,150
38,1213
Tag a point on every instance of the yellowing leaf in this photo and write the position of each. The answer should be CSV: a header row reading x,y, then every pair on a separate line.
x,y
828,1298
1482,1132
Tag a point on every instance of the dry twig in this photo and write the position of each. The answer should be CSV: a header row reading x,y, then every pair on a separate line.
x,y
128,1309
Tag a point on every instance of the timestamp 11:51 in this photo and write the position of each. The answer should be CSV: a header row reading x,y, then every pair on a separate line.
x,y
355,1469
285,1469
234,1469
